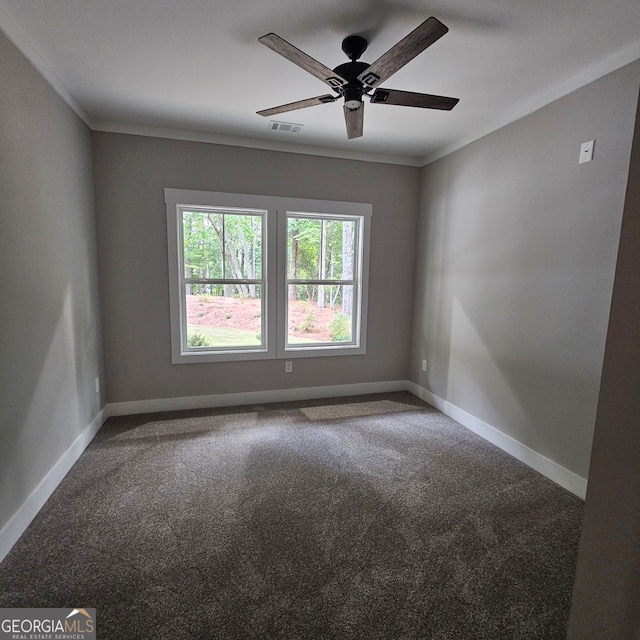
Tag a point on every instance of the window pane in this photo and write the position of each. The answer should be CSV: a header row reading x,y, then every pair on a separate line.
x,y
204,235
243,246
224,315
201,233
320,249
338,250
303,241
319,314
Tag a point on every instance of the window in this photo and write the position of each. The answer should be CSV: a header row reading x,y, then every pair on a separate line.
x,y
255,277
222,279
322,252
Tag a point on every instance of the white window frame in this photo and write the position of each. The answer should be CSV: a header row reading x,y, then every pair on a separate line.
x,y
274,265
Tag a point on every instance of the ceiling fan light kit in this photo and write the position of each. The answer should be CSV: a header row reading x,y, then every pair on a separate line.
x,y
353,80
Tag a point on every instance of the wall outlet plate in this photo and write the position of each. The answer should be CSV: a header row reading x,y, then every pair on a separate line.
x,y
586,151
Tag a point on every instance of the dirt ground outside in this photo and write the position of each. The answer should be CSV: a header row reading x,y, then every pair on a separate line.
x,y
306,321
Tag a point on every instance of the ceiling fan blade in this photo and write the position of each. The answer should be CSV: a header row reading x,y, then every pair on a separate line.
x,y
300,104
354,119
404,51
304,61
411,99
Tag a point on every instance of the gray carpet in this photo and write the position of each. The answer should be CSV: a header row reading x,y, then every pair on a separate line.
x,y
370,517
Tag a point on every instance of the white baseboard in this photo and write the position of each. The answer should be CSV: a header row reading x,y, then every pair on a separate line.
x,y
552,470
253,397
22,518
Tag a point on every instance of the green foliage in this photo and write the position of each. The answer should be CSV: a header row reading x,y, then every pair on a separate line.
x,y
196,339
222,245
305,243
317,250
308,324
340,328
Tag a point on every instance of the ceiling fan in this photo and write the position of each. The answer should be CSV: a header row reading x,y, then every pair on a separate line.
x,y
354,80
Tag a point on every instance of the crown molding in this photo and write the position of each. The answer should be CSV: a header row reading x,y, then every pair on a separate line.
x,y
251,143
16,35
616,61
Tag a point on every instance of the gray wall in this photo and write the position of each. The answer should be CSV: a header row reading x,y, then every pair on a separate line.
x,y
50,346
606,596
516,256
130,175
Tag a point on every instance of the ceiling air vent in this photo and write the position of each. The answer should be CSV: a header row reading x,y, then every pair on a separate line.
x,y
284,126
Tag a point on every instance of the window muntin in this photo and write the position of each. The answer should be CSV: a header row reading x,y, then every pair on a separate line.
x,y
323,281
222,279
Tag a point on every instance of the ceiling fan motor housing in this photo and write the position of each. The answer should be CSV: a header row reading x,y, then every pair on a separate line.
x,y
354,89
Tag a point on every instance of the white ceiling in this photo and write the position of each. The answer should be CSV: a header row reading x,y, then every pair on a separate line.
x,y
195,69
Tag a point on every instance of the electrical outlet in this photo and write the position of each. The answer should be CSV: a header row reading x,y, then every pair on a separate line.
x,y
424,365
288,366
97,383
